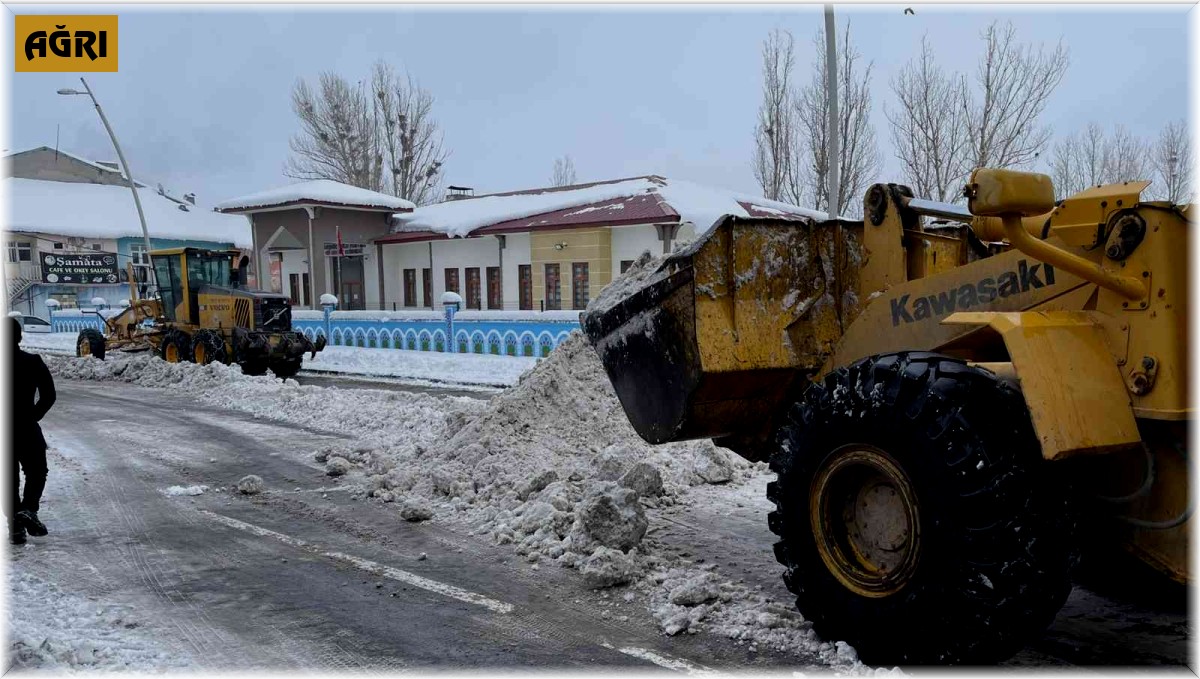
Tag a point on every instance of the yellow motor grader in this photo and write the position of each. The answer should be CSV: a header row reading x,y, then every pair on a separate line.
x,y
952,399
204,313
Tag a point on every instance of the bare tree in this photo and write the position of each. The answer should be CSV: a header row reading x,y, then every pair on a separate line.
x,y
379,135
774,133
564,172
1171,159
1093,157
412,139
1079,161
928,127
858,160
1127,157
337,140
1013,83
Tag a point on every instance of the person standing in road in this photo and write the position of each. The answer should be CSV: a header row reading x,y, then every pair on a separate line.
x,y
30,396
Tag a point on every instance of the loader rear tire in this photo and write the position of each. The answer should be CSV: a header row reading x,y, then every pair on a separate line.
x,y
90,343
176,347
208,346
917,519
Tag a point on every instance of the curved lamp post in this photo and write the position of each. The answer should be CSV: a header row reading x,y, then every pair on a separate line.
x,y
124,164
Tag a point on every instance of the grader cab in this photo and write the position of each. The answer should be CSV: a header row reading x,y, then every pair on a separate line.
x,y
951,398
203,312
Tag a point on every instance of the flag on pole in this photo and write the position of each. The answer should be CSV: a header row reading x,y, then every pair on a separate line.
x,y
341,248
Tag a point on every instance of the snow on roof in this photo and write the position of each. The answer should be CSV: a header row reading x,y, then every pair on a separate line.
x,y
105,211
701,205
85,161
322,191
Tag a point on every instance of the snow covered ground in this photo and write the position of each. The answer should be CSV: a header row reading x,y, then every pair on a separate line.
x,y
58,631
484,370
551,467
50,342
432,366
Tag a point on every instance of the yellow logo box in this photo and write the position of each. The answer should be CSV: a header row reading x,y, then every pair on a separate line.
x,y
83,43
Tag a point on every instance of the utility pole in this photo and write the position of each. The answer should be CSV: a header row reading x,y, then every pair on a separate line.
x,y
832,93
124,167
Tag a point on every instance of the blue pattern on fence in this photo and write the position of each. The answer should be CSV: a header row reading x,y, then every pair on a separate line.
x,y
506,338
502,338
60,322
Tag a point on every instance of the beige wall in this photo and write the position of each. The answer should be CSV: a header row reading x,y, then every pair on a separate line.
x,y
357,227
593,246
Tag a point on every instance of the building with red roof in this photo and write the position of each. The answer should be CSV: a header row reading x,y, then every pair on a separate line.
x,y
550,248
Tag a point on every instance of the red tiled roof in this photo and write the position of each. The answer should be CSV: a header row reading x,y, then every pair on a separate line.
x,y
647,208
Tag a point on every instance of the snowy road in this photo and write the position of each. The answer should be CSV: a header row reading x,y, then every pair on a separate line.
x,y
310,575
304,576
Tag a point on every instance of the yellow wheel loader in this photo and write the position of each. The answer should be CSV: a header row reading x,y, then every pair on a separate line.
x,y
945,394
204,313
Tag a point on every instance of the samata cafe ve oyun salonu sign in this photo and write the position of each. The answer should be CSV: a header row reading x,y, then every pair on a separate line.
x,y
80,268
77,43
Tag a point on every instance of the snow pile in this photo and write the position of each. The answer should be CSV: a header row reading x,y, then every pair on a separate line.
x,y
250,484
185,490
337,466
485,370
644,271
375,416
693,600
57,631
317,190
551,466
415,510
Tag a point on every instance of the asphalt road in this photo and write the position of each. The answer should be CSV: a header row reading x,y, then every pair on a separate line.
x,y
309,576
303,576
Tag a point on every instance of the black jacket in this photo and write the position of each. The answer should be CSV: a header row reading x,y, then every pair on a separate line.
x,y
29,378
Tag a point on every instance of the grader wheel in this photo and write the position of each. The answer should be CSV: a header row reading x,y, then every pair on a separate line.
x,y
916,517
208,346
176,347
286,368
90,343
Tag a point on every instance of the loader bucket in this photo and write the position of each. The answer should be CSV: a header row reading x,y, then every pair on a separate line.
x,y
706,343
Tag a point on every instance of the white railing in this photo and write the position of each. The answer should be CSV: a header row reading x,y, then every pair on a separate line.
x,y
30,270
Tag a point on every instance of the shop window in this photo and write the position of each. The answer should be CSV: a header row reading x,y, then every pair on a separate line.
x,y
474,298
579,285
525,291
410,287
553,288
495,293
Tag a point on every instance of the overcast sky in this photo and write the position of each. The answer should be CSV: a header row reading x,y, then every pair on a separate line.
x,y
202,99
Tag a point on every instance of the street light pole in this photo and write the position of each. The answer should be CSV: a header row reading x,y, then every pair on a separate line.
x,y
835,198
124,166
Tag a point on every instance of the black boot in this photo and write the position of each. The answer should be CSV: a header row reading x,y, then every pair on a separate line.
x,y
16,534
29,521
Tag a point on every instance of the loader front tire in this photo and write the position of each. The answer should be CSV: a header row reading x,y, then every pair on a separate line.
x,y
917,519
176,347
90,343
